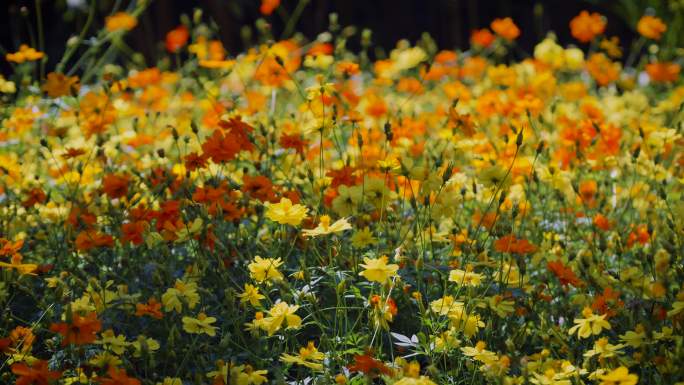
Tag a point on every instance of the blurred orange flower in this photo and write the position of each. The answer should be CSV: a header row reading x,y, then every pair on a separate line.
x,y
586,26
651,27
505,28
663,72
120,21
268,6
177,38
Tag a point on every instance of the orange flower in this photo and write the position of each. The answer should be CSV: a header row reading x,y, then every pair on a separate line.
x,y
602,69
369,366
585,26
482,37
81,330
564,274
34,196
90,239
36,374
295,142
152,308
602,303
177,38
663,72
258,187
511,244
58,85
134,232
120,21
505,28
115,186
25,53
117,377
268,6
651,27
271,73
601,222
587,191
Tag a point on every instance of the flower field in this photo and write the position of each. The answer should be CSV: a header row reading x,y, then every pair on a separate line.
x,y
305,212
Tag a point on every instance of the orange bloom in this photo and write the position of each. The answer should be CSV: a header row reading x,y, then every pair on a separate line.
x,y
511,244
152,308
482,37
505,28
25,53
663,72
81,331
369,366
117,377
120,21
601,222
587,191
33,197
585,26
36,374
193,161
258,187
607,302
115,186
651,27
90,239
268,6
134,232
58,85
295,142
602,69
177,38
564,274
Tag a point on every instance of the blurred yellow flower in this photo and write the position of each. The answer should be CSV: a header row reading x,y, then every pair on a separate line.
x,y
285,212
377,269
200,325
263,269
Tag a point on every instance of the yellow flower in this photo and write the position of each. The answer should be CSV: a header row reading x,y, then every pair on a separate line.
x,y
25,53
591,324
173,297
286,213
446,305
308,356
619,376
603,349
465,278
422,380
377,269
634,338
363,238
479,353
120,21
324,227
262,269
171,381
117,344
251,295
144,345
6,86
281,313
199,325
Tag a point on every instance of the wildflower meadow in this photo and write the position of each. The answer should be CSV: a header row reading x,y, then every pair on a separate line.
x,y
309,212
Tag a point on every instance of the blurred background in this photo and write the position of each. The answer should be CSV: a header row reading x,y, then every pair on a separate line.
x,y
449,22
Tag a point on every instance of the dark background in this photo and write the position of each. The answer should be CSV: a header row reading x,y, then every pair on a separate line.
x,y
449,22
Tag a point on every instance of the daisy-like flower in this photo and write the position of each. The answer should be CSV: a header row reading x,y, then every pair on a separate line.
x,y
619,376
200,325
265,269
377,269
251,295
308,356
281,313
591,324
324,227
479,353
286,213
465,277
603,349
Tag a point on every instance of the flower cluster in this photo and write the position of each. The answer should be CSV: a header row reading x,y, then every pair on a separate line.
x,y
299,213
